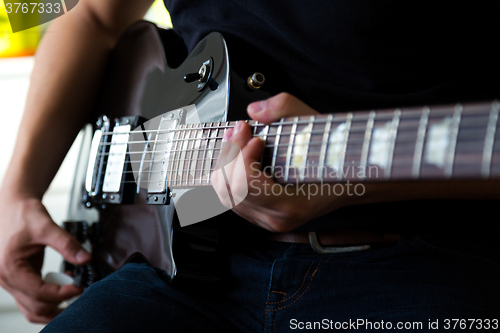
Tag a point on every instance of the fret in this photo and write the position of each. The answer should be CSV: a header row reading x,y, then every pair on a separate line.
x,y
199,142
489,140
141,163
181,155
171,163
191,147
392,144
348,124
207,156
290,148
324,146
171,171
276,142
450,154
194,155
199,137
419,144
203,162
263,133
184,153
175,157
153,152
214,136
218,141
255,128
366,141
307,143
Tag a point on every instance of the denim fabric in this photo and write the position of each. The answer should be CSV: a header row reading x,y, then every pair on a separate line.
x,y
278,287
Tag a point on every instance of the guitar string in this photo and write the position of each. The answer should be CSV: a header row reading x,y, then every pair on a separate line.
x,y
195,180
409,139
275,125
190,152
201,172
199,177
195,129
322,118
399,161
408,129
401,129
190,160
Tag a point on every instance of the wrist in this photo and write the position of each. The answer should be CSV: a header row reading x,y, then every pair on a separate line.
x,y
16,189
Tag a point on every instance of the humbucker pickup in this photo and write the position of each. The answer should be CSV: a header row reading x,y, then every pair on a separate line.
x,y
129,154
109,174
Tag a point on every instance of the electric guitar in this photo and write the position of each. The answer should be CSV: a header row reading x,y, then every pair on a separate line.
x,y
150,154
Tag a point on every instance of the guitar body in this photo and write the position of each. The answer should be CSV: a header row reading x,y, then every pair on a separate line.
x,y
145,78
160,117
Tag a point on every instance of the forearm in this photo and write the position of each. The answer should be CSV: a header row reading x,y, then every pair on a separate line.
x,y
68,67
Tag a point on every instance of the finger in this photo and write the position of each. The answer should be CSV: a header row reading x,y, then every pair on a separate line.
x,y
35,318
252,155
68,246
242,133
229,177
34,310
25,280
277,107
251,148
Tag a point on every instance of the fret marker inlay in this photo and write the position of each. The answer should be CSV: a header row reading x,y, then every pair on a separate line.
x,y
334,158
380,146
300,149
438,140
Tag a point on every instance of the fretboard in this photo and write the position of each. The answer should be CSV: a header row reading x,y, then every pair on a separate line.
x,y
441,142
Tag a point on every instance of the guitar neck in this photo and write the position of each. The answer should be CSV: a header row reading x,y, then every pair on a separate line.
x,y
442,142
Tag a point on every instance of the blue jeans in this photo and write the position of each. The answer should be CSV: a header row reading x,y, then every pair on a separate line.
x,y
279,287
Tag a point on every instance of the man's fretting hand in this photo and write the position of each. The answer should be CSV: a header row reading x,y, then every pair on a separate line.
x,y
277,213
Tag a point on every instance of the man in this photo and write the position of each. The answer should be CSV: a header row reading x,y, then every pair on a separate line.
x,y
336,56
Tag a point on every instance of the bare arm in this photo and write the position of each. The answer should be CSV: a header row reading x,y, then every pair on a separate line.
x,y
68,67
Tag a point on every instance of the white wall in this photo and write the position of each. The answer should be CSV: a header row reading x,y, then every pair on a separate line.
x,y
14,80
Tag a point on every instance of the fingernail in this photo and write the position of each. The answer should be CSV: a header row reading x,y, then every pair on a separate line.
x,y
82,256
227,135
238,126
256,107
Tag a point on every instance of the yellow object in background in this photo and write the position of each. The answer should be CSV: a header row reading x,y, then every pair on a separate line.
x,y
159,14
19,44
24,43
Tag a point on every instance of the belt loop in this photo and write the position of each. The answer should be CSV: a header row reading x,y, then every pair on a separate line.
x,y
318,248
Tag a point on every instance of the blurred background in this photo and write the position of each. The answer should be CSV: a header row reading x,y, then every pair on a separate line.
x,y
16,63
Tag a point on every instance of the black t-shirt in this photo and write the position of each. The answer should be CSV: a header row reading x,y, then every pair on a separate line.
x,y
355,55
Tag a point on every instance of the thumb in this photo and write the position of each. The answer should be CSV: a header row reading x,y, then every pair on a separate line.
x,y
277,107
68,246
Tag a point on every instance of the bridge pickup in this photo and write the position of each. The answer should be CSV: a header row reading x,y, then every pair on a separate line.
x,y
150,166
109,174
